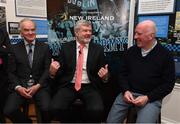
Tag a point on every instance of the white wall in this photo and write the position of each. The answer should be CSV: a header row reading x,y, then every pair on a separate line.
x,y
11,13
170,112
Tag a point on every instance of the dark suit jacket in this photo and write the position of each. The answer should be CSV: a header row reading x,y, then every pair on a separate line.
x,y
67,59
19,68
4,52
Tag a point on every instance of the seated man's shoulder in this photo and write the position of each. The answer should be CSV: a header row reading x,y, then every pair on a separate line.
x,y
42,43
14,46
133,49
164,51
96,45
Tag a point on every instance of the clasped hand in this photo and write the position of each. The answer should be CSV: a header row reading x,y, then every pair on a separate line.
x,y
138,101
28,92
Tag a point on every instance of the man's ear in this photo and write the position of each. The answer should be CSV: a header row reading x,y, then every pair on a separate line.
x,y
76,33
151,36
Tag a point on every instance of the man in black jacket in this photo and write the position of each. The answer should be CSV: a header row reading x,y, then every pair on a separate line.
x,y
67,70
4,52
146,76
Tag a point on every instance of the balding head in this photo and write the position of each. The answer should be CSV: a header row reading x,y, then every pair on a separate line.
x,y
148,26
145,34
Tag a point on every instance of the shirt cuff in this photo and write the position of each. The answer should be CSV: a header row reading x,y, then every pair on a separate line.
x,y
106,79
17,87
51,76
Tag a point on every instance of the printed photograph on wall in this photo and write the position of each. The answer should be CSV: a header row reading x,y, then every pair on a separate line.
x,y
13,27
2,18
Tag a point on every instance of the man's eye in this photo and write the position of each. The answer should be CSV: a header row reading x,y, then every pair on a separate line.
x,y
27,30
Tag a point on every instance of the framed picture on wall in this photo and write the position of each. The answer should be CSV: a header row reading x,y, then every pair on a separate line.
x,y
13,27
31,8
2,1
155,6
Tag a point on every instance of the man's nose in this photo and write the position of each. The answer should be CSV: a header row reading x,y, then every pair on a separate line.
x,y
135,36
89,32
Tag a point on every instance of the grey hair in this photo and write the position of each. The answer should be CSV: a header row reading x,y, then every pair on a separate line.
x,y
24,20
154,27
80,23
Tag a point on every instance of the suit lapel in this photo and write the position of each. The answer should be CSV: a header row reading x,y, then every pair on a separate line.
x,y
72,52
90,56
36,52
24,53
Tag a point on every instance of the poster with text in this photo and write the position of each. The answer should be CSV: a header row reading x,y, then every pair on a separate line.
x,y
109,19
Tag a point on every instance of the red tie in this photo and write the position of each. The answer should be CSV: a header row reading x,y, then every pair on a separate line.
x,y
79,68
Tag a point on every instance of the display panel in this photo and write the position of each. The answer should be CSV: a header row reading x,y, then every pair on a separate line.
x,y
162,23
42,27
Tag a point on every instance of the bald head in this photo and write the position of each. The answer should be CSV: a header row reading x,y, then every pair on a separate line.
x,y
145,34
148,26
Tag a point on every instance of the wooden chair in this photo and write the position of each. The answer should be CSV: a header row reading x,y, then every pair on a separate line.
x,y
31,110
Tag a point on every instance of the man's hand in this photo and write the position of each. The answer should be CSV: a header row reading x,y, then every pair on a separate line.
x,y
140,100
24,92
128,97
53,68
103,72
34,89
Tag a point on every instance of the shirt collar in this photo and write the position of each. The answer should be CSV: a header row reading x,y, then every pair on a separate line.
x,y
78,44
145,52
26,43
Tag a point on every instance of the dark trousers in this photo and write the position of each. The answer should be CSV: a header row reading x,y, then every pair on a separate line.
x,y
91,98
3,96
14,101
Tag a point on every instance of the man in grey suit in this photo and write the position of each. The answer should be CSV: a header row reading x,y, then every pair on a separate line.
x,y
28,73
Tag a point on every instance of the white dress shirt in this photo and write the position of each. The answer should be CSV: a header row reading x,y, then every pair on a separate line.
x,y
85,79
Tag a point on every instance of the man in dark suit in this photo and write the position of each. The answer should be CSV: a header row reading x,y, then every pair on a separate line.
x,y
28,73
4,52
75,81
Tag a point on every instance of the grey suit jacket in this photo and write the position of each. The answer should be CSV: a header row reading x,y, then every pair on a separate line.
x,y
19,68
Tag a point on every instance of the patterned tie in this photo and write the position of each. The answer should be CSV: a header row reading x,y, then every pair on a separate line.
x,y
30,55
79,68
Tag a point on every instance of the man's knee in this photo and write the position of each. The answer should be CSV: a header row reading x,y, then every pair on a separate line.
x,y
6,111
